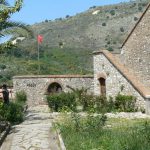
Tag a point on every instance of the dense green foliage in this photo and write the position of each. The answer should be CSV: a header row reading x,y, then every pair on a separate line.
x,y
9,27
14,111
61,101
125,103
14,29
54,61
90,103
6,10
121,136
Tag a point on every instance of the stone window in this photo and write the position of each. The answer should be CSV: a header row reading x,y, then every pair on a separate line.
x,y
54,88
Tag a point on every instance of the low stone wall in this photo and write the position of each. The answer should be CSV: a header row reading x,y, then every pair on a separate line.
x,y
116,79
36,86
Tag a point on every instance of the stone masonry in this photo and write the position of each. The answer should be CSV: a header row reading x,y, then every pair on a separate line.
x,y
130,72
136,49
36,86
115,81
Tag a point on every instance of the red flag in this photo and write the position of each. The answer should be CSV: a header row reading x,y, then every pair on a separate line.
x,y
40,39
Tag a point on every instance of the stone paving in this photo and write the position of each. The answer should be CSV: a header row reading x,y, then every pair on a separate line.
x,y
35,133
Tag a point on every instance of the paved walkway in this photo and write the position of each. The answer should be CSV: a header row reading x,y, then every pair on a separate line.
x,y
35,133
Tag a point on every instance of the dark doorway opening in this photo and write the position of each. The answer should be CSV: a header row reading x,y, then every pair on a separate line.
x,y
102,82
54,88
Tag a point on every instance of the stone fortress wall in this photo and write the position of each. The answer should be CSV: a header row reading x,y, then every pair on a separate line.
x,y
36,87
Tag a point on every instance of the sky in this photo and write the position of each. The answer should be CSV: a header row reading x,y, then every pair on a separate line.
x,y
35,11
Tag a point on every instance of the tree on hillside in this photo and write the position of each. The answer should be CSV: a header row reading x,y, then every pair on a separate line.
x,y
15,29
8,27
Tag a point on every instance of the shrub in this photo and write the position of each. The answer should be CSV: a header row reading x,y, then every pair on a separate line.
x,y
62,101
69,101
61,44
92,7
12,112
125,103
80,96
103,24
2,66
3,79
108,42
135,18
112,12
140,8
88,123
104,105
95,122
90,103
67,16
21,97
110,49
122,29
1,105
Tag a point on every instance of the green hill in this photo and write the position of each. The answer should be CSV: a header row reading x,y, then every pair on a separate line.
x,y
68,42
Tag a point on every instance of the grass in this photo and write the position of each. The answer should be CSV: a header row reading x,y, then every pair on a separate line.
x,y
86,31
55,61
121,134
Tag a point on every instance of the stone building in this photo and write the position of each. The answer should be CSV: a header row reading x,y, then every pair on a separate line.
x,y
128,73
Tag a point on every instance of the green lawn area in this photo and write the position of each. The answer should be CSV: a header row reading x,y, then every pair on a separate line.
x,y
116,134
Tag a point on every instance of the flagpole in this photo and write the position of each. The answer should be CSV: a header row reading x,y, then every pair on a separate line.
x,y
39,40
38,58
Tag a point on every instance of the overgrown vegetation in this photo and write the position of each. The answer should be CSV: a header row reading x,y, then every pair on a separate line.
x,y
93,130
8,27
56,61
12,28
21,97
90,103
14,111
100,133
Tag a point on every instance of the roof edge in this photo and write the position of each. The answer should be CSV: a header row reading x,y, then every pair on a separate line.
x,y
143,14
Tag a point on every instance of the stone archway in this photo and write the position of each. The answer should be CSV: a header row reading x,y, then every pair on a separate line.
x,y
102,82
54,88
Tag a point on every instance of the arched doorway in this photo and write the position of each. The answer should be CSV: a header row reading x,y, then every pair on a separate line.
x,y
102,82
54,88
